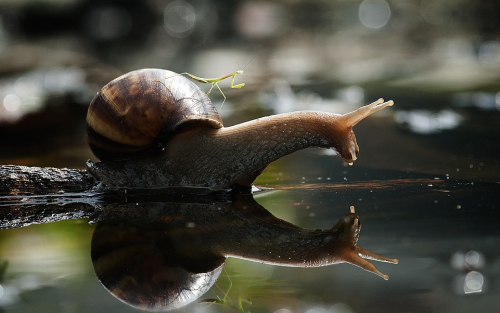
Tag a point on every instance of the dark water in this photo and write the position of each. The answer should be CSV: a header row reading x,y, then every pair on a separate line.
x,y
426,185
443,231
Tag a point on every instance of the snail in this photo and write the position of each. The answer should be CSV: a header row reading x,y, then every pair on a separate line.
x,y
155,129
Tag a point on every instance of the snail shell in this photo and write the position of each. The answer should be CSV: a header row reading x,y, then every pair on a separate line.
x,y
135,114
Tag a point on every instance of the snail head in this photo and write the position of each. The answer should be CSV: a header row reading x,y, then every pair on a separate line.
x,y
345,143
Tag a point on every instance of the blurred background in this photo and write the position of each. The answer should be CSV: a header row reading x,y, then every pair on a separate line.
x,y
439,60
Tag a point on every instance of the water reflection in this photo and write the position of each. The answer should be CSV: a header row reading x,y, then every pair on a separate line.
x,y
431,224
159,256
152,261
163,255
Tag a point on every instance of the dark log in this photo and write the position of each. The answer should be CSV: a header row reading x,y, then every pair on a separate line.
x,y
23,180
33,195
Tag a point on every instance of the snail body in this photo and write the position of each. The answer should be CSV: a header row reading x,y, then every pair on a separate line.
x,y
153,128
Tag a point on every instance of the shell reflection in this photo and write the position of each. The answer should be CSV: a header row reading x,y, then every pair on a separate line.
x,y
144,270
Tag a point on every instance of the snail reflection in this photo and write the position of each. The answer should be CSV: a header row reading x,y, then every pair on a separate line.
x,y
161,256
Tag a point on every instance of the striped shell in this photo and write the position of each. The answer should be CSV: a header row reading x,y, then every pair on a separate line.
x,y
135,114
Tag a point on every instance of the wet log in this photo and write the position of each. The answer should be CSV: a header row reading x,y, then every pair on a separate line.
x,y
34,195
23,180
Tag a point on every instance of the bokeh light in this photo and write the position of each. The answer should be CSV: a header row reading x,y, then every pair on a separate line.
x,y
474,282
108,23
435,12
12,102
259,20
179,18
374,13
489,53
341,308
470,260
426,122
351,94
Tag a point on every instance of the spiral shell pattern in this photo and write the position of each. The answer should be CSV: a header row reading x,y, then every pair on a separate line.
x,y
135,114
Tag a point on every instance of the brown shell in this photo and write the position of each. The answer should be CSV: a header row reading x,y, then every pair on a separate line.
x,y
136,113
